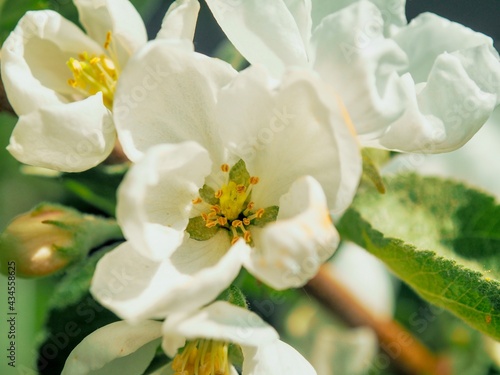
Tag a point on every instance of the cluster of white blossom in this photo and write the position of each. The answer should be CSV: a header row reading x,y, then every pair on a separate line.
x,y
232,169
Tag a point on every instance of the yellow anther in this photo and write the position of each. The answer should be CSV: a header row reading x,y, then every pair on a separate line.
x,y
218,194
246,221
224,168
240,188
237,223
222,220
259,213
254,180
211,224
234,240
247,236
94,60
197,200
204,216
108,40
250,205
215,208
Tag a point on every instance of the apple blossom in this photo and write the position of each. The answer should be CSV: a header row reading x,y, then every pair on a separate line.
x,y
426,86
198,343
246,174
61,81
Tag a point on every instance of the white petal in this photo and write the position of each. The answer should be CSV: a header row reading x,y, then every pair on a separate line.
x,y
34,58
366,277
352,54
301,12
135,287
118,16
455,86
180,20
155,198
66,137
264,32
290,251
275,358
393,11
115,349
266,127
219,321
167,95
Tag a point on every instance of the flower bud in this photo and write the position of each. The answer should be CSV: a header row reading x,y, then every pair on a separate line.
x,y
50,237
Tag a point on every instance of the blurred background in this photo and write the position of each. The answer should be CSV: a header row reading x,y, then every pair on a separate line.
x,y
476,163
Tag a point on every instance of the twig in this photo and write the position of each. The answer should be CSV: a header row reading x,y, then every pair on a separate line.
x,y
405,351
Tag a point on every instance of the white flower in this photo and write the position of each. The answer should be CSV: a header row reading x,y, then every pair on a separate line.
x,y
248,175
199,343
427,86
61,81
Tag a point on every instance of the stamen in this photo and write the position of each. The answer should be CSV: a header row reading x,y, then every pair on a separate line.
x,y
237,223
211,224
224,168
108,40
247,236
240,188
197,200
222,220
254,180
246,221
234,240
218,194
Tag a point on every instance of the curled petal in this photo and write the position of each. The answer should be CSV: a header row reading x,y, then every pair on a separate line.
x,y
155,198
66,137
167,95
352,54
219,321
118,16
275,358
275,143
115,349
180,21
249,25
135,287
34,58
453,89
290,251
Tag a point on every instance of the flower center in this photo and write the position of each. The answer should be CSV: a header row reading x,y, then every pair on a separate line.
x,y
92,73
230,207
202,357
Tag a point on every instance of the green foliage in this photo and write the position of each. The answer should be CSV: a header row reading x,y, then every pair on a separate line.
x,y
97,186
440,237
72,315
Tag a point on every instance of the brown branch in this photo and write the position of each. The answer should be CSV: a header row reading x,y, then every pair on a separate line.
x,y
406,352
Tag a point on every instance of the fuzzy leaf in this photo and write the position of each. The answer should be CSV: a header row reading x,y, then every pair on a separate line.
x,y
440,237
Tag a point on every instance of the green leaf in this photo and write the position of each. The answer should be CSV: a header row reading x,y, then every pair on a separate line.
x,y
97,186
441,238
72,315
199,231
239,174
